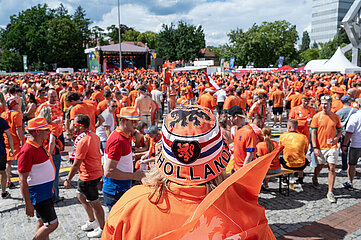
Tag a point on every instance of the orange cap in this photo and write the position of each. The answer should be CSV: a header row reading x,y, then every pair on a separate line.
x,y
129,113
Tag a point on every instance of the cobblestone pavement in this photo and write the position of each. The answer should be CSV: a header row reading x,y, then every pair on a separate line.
x,y
289,217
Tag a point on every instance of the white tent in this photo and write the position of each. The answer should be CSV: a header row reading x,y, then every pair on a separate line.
x,y
314,64
338,63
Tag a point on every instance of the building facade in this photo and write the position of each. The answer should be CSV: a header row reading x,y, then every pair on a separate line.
x,y
327,16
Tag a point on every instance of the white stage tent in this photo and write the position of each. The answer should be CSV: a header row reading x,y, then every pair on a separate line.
x,y
337,63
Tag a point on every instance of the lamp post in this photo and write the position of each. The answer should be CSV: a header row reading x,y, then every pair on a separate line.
x,y
120,42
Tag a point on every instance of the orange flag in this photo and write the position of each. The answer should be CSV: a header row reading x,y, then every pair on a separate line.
x,y
231,210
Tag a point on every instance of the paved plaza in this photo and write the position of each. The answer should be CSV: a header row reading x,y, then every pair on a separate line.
x,y
304,214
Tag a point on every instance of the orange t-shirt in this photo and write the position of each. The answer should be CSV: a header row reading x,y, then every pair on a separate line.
x,y
295,146
102,106
88,149
98,96
207,100
336,105
87,109
261,150
304,117
134,216
245,140
231,101
64,103
326,126
277,97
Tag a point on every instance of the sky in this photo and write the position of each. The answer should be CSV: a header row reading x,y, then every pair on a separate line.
x,y
217,17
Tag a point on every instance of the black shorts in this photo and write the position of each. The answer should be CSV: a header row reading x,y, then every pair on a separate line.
x,y
89,189
284,165
46,212
2,162
277,110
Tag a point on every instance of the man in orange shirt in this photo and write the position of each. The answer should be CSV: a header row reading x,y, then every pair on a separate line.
x,y
207,100
83,108
326,131
303,114
87,160
277,98
259,107
231,100
97,94
104,104
245,141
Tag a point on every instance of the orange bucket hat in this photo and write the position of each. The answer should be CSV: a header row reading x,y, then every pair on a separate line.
x,y
193,150
129,113
38,123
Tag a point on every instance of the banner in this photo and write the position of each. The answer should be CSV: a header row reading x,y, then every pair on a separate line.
x,y
25,62
94,65
211,81
222,62
231,62
280,61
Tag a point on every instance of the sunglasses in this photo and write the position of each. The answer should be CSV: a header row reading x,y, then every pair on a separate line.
x,y
114,106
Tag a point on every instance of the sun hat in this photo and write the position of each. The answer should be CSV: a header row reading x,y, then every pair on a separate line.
x,y
192,150
38,123
129,113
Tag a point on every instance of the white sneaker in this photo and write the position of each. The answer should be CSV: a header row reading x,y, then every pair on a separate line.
x,y
342,172
96,233
89,226
331,198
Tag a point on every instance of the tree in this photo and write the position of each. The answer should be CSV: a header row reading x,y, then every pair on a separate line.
x,y
309,54
305,41
46,36
148,38
183,42
130,35
97,36
113,32
263,44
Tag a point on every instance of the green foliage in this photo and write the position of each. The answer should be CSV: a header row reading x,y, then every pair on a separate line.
x,y
305,41
113,32
328,49
130,35
148,38
263,44
47,36
308,55
183,42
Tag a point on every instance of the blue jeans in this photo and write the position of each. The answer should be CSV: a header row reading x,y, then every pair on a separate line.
x,y
57,161
110,200
344,156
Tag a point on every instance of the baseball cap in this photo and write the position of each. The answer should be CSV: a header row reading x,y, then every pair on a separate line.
x,y
236,110
38,123
129,113
152,130
345,98
124,90
192,150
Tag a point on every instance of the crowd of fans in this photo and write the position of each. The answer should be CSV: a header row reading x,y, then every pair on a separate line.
x,y
112,121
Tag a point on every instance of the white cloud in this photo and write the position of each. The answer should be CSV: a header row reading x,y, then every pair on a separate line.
x,y
217,17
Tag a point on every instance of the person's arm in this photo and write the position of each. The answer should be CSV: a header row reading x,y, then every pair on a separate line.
x,y
248,159
29,109
52,140
107,130
19,132
100,121
314,142
24,188
346,141
11,142
111,171
339,133
73,170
